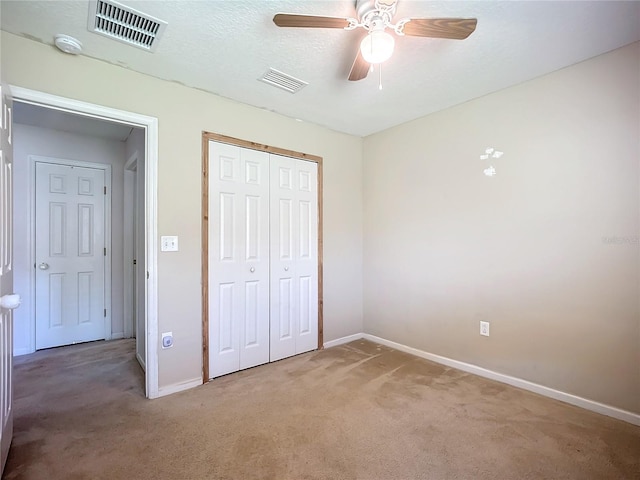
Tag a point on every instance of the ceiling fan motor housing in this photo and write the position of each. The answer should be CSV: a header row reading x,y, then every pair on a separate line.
x,y
372,13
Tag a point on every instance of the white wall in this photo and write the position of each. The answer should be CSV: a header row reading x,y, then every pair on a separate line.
x,y
30,140
183,114
547,251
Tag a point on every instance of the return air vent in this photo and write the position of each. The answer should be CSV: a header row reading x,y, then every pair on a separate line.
x,y
283,81
125,24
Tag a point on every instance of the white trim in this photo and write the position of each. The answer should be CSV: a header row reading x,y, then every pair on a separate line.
x,y
33,159
117,336
343,340
132,163
150,124
179,387
128,246
21,351
141,362
85,109
32,255
151,258
587,404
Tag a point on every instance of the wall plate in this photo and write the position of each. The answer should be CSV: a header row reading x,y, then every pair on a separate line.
x,y
169,243
167,340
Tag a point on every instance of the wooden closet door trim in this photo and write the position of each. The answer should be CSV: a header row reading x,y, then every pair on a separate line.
x,y
206,137
205,258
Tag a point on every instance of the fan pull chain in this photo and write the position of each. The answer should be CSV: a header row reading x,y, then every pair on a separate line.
x,y
380,77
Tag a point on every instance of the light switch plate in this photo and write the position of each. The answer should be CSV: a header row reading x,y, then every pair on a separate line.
x,y
169,244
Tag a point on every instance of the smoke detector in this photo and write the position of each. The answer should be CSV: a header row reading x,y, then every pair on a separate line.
x,y
67,44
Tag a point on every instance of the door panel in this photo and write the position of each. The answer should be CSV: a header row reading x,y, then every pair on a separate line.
x,y
238,258
6,280
251,314
294,257
56,300
226,316
285,310
304,302
70,255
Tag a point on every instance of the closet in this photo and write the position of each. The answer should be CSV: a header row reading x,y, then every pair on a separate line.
x,y
262,257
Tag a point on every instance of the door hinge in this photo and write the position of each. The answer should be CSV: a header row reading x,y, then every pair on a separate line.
x,y
135,262
105,312
105,189
105,251
147,275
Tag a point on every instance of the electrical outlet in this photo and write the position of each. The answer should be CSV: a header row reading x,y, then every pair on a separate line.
x,y
167,340
484,328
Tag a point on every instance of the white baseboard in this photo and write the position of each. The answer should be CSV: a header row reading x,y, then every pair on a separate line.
x,y
117,336
22,351
141,362
587,404
343,340
179,387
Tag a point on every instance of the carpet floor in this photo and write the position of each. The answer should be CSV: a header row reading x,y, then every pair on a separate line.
x,y
357,411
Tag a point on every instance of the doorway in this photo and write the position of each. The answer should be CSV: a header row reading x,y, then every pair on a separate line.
x,y
146,164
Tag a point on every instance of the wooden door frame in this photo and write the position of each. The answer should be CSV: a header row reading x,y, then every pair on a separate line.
x,y
31,194
206,138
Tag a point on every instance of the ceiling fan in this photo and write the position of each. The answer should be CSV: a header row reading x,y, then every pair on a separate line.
x,y
375,16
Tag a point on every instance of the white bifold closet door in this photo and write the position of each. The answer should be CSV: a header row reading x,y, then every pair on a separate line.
x,y
263,257
238,258
294,256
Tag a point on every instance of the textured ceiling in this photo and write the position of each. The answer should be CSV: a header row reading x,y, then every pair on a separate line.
x,y
224,46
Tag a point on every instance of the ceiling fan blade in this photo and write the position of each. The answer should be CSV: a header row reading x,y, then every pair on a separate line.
x,y
454,28
309,21
360,68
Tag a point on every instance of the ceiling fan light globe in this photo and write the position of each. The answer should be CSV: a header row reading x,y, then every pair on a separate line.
x,y
377,47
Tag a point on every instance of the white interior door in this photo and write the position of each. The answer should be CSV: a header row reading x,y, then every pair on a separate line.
x,y
294,256
70,254
7,301
140,279
238,258
134,263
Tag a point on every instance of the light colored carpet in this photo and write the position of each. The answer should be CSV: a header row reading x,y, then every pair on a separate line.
x,y
357,411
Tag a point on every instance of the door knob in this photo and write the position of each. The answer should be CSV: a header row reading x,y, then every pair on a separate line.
x,y
286,269
10,301
252,269
43,266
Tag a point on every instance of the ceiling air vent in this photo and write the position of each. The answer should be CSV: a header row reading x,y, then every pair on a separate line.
x,y
125,24
282,80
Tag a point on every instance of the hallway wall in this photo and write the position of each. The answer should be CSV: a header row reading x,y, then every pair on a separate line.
x,y
30,140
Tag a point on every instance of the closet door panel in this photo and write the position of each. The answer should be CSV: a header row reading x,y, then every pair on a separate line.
x,y
238,258
306,255
254,334
283,305
294,257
